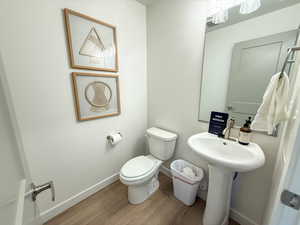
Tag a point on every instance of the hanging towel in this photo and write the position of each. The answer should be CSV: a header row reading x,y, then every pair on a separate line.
x,y
273,108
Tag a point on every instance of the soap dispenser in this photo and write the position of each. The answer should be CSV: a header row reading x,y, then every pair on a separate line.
x,y
245,133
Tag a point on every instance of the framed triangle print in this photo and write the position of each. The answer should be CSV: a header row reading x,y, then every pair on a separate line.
x,y
92,43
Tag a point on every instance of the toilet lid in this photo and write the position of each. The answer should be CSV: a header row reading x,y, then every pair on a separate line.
x,y
137,166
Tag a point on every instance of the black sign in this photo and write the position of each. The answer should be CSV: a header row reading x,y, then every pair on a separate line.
x,y
217,123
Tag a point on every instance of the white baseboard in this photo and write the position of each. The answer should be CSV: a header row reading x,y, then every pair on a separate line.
x,y
240,218
62,206
234,214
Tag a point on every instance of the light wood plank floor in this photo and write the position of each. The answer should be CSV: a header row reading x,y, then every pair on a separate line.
x,y
110,207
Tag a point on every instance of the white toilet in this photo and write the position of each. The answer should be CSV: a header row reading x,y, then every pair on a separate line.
x,y
141,172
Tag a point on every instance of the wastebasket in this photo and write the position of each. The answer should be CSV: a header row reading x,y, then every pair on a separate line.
x,y
186,180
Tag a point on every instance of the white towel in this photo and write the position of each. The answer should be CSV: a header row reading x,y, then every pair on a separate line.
x,y
273,109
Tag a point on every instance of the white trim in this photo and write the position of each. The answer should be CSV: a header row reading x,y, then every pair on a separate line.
x,y
13,120
241,218
234,214
20,203
68,203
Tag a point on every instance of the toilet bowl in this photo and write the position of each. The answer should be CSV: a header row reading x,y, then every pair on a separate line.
x,y
140,174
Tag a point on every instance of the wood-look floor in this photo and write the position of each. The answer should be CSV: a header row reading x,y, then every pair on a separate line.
x,y
110,207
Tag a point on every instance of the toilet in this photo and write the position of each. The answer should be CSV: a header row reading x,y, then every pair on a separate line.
x,y
140,174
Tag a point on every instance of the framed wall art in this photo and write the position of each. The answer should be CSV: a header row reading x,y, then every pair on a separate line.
x,y
92,43
96,95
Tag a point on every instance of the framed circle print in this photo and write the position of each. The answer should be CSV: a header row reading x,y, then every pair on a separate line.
x,y
96,95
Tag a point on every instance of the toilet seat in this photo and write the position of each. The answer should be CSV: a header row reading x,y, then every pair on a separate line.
x,y
137,167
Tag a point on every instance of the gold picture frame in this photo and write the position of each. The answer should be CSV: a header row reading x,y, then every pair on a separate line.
x,y
96,95
92,43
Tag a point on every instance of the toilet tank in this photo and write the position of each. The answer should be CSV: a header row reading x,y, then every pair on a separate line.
x,y
161,143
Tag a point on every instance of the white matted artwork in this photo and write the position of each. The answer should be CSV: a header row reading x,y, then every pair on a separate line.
x,y
92,43
96,95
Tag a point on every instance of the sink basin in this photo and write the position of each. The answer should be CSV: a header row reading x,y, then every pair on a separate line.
x,y
227,153
224,157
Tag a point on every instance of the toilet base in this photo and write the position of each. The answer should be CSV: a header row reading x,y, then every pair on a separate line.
x,y
137,194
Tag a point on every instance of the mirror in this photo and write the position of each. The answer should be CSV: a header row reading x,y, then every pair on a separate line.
x,y
242,54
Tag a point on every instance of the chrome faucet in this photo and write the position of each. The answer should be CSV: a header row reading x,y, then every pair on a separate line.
x,y
227,130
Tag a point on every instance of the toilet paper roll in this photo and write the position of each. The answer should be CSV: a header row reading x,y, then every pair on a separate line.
x,y
115,138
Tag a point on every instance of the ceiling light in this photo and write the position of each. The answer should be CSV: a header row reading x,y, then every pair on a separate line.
x,y
218,9
249,6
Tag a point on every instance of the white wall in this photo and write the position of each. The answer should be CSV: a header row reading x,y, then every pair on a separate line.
x,y
175,42
33,45
218,53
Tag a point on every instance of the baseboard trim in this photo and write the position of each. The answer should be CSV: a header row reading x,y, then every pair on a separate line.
x,y
234,214
64,205
240,218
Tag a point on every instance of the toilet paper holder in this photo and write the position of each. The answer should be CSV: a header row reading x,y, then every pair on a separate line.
x,y
110,138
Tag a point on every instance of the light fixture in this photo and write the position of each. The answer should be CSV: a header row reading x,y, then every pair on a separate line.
x,y
220,17
249,6
219,8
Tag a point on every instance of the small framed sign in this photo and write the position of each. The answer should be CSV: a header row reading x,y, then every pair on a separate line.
x,y
218,122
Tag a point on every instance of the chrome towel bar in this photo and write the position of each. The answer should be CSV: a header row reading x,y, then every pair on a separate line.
x,y
287,59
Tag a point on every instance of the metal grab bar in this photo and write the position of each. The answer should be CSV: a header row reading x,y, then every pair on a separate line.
x,y
290,51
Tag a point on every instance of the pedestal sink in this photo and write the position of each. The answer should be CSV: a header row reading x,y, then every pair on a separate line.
x,y
224,157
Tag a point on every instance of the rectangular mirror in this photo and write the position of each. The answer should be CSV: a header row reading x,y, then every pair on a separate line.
x,y
242,54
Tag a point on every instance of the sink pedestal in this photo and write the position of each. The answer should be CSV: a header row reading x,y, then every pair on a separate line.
x,y
219,196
